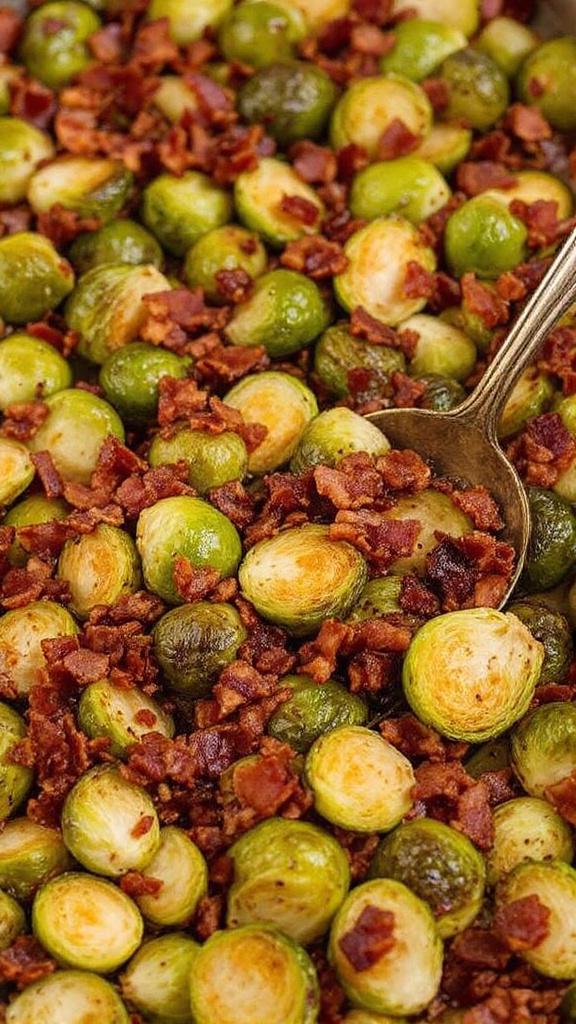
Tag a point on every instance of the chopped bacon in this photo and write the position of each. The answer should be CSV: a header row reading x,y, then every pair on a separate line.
x,y
61,226
265,784
234,285
23,419
152,47
404,470
24,962
346,490
364,325
106,44
473,815
366,38
380,540
413,738
193,583
473,177
11,25
175,314
478,503
370,938
377,12
527,123
480,947
438,92
300,209
135,884
562,796
224,364
317,165
523,923
315,256
406,391
484,301
396,140
32,101
318,657
543,449
418,282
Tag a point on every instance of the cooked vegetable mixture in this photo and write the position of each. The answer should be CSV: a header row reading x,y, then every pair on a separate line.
x,y
271,749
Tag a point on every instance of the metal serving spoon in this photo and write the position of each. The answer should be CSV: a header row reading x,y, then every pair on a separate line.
x,y
463,442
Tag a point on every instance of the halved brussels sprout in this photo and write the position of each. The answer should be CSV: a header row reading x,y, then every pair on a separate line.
x,y
434,511
300,577
477,89
407,185
188,19
157,978
15,779
22,631
91,186
56,56
318,12
179,210
530,396
543,746
530,186
30,854
367,1017
259,33
292,98
379,256
507,42
86,922
526,828
420,46
398,977
22,148
333,434
554,885
368,107
337,352
484,238
229,247
359,780
280,402
120,241
547,79
445,146
313,709
285,312
471,674
194,642
290,874
130,377
212,459
75,452
34,277
259,195
186,527
17,470
380,596
12,920
552,546
253,973
99,567
121,713
552,628
464,16
29,369
441,347
440,865
68,995
180,867
441,393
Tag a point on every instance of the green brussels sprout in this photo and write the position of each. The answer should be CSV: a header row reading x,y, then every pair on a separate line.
x,y
367,1017
121,713
188,19
67,995
530,396
407,185
212,459
484,238
22,148
34,277
434,511
15,779
29,369
130,376
307,863
526,828
156,979
179,210
261,32
553,883
299,577
86,922
99,567
12,920
531,186
30,854
120,241
547,79
567,1007
189,528
477,89
420,46
507,42
441,394
337,352
106,307
280,402
75,453
440,865
54,46
9,73
22,630
441,347
91,186
181,868
552,545
226,248
259,196
552,629
253,973
333,434
445,146
293,99
405,977
379,255
368,106
194,642
565,406
543,746
318,12
173,97
285,312
491,756
313,709
471,674
565,486
380,596
463,16
17,470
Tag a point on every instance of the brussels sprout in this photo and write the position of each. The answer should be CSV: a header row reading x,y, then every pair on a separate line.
x,y
22,148
300,577
261,32
441,394
106,307
554,885
130,377
531,186
226,248
337,352
189,528
75,453
567,1007
491,756
253,973
309,867
380,596
565,406
507,42
179,210
285,312
441,347
22,631
181,868
68,995
15,779
9,73
194,642
121,713
359,780
484,238
445,146
30,854
333,434
552,545
530,396
464,16
313,709
526,828
86,922
212,459
434,512
379,255
156,979
440,865
29,369
188,19
543,746
318,12
547,79
109,824
259,196
405,977
16,469
477,89
552,629
92,187
99,567
54,46
34,277
368,107
408,185
367,1017
120,241
471,674
420,46
280,402
12,920
293,99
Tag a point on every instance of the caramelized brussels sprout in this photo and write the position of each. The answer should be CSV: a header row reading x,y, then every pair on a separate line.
x,y
420,46
22,148
90,186
294,99
22,630
30,854
16,469
258,198
180,867
12,920
445,146
15,779
304,862
333,434
188,19
477,89
368,106
120,241
484,238
317,12
543,746
130,377
54,46
313,709
507,42
194,642
530,186
156,979
338,351
471,674
464,16
99,567
552,629
75,453
68,995
407,185
212,459
229,247
552,546
122,714
179,210
262,32
30,368
434,512
553,883
525,829
441,347
530,396
441,394
547,79
34,277
380,596
285,312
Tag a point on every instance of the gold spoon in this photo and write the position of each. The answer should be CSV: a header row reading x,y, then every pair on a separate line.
x,y
463,442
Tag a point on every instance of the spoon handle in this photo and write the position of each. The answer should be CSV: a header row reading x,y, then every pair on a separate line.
x,y
552,298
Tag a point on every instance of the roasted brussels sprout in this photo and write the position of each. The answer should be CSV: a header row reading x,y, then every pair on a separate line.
x,y
477,88
75,453
194,642
262,32
338,352
547,79
120,241
553,631
464,16
122,714
179,210
212,459
433,511
22,631
333,434
188,19
130,377
484,238
368,106
445,146
530,396
507,42
30,854
471,674
156,979
380,596
34,277
22,148
12,920
543,746
180,867
294,99
99,567
226,248
68,995
420,46
408,185
552,545
525,829
30,368
441,393
54,46
313,709
16,469
90,186
15,779
530,186
441,348
259,200
285,312
553,883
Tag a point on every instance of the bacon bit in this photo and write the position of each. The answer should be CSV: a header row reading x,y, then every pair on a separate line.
x,y
378,635
193,583
173,315
418,282
510,288
106,45
416,598
474,177
235,502
378,12
143,826
438,93
541,219
366,38
61,226
265,784
318,657
21,586
404,470
234,285
11,26
562,796
224,364
300,209
152,47
317,165
480,947
372,671
416,740
32,101
370,938
523,924
364,325
527,123
543,449
135,884
484,301
474,817
23,419
24,962
478,503
86,666
406,391
380,540
138,492
315,256
396,140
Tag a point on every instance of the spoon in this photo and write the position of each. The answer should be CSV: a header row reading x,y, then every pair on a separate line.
x,y
463,441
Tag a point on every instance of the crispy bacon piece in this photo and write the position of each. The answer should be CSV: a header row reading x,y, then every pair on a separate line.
x,y
61,226
234,285
315,164
265,784
318,657
32,101
300,209
47,473
174,315
485,302
396,140
24,962
542,450
371,937
562,796
134,884
315,256
363,325
404,470
474,177
523,924
11,25
413,738
527,123
193,583
22,419
478,503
